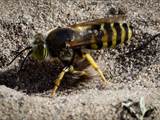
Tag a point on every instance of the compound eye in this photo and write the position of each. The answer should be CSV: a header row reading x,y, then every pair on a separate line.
x,y
38,38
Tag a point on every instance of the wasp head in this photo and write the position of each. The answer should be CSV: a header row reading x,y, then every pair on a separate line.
x,y
39,51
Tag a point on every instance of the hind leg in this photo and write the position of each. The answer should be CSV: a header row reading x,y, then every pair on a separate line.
x,y
91,61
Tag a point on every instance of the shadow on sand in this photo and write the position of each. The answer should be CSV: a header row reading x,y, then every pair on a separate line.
x,y
37,77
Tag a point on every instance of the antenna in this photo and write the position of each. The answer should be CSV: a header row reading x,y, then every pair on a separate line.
x,y
27,48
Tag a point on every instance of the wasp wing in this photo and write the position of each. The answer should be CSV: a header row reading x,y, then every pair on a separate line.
x,y
82,41
86,37
99,21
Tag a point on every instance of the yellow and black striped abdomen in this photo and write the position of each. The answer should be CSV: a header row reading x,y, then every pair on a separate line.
x,y
110,35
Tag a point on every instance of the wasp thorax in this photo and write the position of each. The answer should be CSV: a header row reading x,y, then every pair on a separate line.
x,y
39,50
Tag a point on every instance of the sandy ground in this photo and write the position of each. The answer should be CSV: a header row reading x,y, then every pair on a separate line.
x,y
134,78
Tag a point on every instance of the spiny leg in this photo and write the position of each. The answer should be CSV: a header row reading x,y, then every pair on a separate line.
x,y
94,65
80,73
59,79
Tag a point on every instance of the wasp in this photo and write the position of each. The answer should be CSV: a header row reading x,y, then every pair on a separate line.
x,y
71,44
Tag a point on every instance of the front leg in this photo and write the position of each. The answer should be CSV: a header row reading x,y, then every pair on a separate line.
x,y
67,64
59,79
61,75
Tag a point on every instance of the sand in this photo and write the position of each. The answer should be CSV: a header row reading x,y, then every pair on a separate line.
x,y
132,77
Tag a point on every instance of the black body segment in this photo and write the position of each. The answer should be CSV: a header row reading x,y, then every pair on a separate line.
x,y
109,32
126,30
98,36
99,39
96,27
119,32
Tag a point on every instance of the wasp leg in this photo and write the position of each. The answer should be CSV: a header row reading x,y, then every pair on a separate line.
x,y
59,79
94,65
80,73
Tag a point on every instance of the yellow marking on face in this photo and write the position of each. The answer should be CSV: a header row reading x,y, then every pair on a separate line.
x,y
114,35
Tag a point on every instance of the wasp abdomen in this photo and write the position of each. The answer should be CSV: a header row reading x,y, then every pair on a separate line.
x,y
110,35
